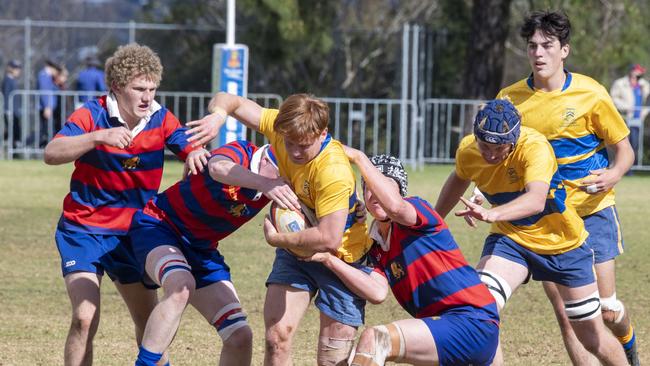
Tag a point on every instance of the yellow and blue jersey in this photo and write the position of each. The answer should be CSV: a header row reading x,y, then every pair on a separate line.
x,y
558,228
579,120
325,184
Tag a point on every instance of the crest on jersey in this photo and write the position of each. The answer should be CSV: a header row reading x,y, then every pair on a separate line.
x,y
238,210
305,188
569,117
131,163
513,177
397,270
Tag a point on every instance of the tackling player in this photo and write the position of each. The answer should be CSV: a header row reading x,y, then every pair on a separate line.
x,y
317,169
117,144
534,231
576,114
176,236
416,254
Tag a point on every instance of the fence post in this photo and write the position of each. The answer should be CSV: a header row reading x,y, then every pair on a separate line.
x,y
403,116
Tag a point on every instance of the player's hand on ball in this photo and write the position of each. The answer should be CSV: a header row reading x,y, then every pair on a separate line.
x,y
196,161
270,233
119,137
279,191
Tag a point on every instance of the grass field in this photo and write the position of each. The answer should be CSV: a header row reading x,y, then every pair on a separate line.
x,y
34,308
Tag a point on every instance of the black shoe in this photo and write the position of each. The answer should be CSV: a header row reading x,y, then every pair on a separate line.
x,y
632,355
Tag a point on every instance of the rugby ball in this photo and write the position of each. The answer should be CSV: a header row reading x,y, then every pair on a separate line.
x,y
289,221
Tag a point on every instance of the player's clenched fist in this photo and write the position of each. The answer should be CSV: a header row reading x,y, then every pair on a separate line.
x,y
119,137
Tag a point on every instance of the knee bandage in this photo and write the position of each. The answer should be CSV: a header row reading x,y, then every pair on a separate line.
x,y
333,351
583,309
389,346
229,319
613,304
169,264
498,286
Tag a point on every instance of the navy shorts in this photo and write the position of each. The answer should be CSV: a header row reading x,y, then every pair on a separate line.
x,y
97,253
147,233
463,340
574,268
333,299
605,237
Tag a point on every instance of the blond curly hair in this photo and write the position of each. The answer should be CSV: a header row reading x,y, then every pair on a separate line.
x,y
131,61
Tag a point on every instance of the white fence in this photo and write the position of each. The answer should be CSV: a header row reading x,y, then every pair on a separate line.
x,y
418,133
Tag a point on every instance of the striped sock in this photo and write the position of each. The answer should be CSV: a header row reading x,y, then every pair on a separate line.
x,y
628,340
147,358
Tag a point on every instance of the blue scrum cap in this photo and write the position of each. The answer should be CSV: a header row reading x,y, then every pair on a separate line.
x,y
498,122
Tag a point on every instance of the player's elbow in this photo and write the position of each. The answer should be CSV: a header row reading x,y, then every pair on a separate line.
x,y
378,297
50,156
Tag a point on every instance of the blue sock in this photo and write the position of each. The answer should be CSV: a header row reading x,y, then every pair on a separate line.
x,y
147,358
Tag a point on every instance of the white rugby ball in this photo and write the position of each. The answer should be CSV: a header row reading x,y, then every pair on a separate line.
x,y
289,221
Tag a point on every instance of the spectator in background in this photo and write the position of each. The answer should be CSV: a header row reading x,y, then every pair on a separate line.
x,y
48,102
629,94
9,84
91,79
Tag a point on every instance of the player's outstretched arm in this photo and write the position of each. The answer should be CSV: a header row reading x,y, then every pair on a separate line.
x,y
221,106
228,172
395,206
530,203
451,191
372,287
326,237
66,149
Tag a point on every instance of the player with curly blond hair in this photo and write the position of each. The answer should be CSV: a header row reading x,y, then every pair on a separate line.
x,y
117,143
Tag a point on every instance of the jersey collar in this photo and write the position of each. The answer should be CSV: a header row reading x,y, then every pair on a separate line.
x,y
114,112
567,82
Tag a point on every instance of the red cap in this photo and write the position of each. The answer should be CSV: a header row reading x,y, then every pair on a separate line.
x,y
638,68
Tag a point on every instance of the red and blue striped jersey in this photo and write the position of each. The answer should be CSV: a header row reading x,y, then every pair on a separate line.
x,y
205,211
426,270
108,184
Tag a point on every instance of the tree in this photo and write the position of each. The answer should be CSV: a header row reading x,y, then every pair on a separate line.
x,y
485,49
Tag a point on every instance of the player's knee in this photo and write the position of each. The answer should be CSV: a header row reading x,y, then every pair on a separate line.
x,y
85,318
277,339
613,309
240,340
334,351
498,286
583,309
85,323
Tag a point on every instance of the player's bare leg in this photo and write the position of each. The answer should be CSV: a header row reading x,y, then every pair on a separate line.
x,y
582,308
502,277
140,301
281,321
335,342
577,353
178,287
615,315
83,290
409,341
218,303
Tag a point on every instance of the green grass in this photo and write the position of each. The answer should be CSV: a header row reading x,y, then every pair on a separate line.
x,y
34,307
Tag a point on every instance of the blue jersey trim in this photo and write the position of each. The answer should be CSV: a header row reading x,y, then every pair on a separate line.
x,y
567,147
582,168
